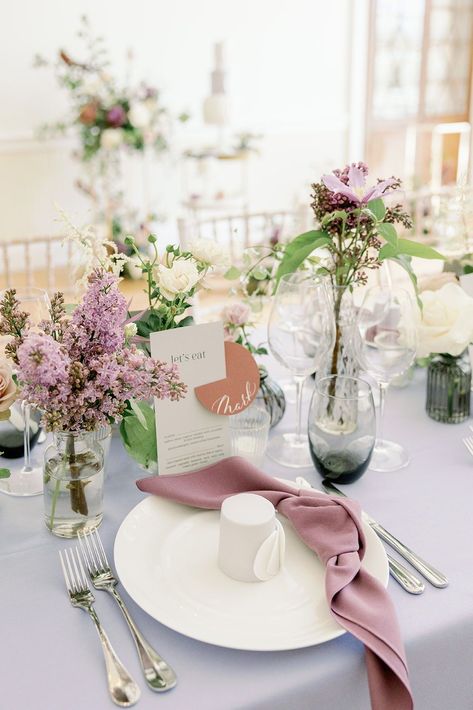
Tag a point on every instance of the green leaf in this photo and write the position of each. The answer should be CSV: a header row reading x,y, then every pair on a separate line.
x,y
232,274
467,269
405,261
299,249
140,442
377,208
139,414
388,232
411,248
388,251
4,472
188,320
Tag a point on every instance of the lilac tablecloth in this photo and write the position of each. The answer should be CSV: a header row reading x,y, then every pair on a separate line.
x,y
51,660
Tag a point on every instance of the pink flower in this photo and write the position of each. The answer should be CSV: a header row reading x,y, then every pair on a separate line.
x,y
236,314
356,189
7,389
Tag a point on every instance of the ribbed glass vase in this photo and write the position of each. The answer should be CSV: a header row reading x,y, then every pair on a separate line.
x,y
271,396
449,388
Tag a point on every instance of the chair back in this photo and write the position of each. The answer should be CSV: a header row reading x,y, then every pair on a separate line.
x,y
44,262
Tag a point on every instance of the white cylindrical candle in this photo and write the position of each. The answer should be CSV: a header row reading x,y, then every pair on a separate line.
x,y
251,538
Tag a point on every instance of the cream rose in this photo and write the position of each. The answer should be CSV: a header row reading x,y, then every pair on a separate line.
x,y
446,321
181,277
8,389
111,138
208,252
139,115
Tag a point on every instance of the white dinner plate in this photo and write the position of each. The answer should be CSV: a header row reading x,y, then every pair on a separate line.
x,y
166,558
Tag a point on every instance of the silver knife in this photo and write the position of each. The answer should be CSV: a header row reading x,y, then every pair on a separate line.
x,y
432,575
408,581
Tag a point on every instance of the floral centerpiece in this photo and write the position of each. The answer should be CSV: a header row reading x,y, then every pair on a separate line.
x,y
173,277
82,372
355,233
445,331
108,117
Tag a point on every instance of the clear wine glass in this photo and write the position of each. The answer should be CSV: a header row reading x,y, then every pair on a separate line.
x,y
28,480
300,333
386,343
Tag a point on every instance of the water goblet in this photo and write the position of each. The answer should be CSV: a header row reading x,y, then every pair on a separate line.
x,y
386,343
342,427
300,333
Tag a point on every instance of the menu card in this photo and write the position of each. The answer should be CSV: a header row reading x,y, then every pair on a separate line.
x,y
188,435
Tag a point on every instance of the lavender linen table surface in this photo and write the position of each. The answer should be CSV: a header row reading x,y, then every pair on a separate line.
x,y
50,658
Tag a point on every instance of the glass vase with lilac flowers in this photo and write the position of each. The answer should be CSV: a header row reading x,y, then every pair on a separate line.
x,y
83,373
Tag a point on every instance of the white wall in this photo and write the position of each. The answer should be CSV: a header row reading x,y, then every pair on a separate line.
x,y
288,78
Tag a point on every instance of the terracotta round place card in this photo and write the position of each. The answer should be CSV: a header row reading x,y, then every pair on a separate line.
x,y
237,391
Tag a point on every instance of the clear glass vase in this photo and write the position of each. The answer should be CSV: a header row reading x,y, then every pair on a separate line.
x,y
341,359
73,483
449,388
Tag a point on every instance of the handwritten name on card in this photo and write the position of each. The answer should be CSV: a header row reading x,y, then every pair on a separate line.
x,y
237,391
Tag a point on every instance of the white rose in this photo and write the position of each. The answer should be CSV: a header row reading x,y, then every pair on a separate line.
x,y
446,321
209,252
111,138
139,115
180,278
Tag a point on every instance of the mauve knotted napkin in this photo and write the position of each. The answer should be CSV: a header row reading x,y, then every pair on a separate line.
x,y
332,528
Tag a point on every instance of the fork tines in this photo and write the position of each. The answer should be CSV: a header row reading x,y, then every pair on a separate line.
x,y
468,441
93,551
73,571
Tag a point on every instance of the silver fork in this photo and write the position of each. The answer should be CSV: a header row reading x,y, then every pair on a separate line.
x,y
468,441
122,688
158,674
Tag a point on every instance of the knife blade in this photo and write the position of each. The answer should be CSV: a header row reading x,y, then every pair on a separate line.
x,y
432,575
408,581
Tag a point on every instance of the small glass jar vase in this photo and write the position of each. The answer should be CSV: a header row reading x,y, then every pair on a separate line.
x,y
73,483
271,397
449,388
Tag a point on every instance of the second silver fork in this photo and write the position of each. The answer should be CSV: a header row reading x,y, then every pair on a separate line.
x,y
158,674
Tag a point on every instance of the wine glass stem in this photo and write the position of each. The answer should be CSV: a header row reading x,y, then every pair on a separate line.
x,y
299,380
25,410
383,388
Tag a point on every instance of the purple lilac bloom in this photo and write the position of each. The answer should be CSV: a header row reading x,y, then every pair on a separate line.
x,y
41,359
97,323
86,380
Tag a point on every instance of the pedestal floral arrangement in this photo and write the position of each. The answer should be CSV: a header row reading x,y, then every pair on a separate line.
x,y
445,331
83,372
109,117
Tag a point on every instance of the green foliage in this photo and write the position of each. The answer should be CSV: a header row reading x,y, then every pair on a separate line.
x,y
407,246
138,433
377,208
299,249
388,232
